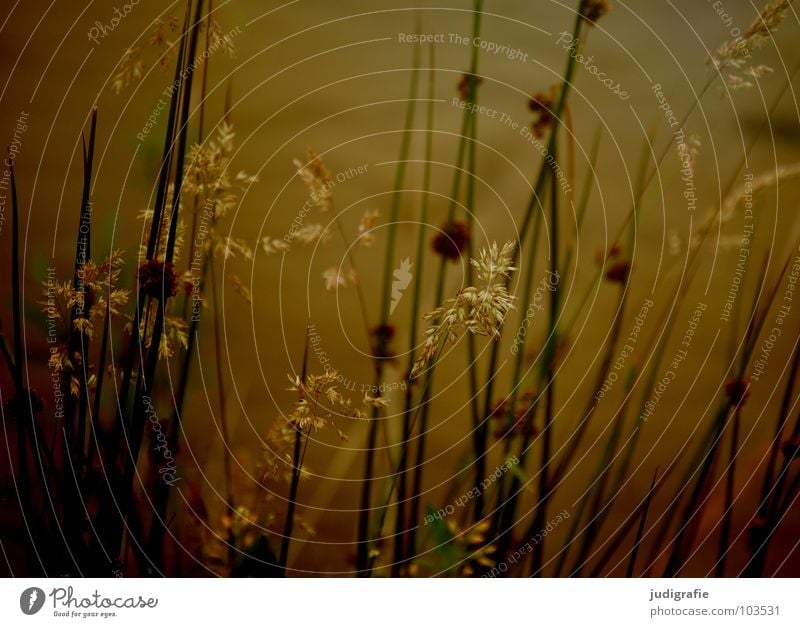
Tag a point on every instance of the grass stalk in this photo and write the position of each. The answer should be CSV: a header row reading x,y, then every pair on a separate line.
x,y
479,423
363,532
297,470
504,514
708,452
780,426
466,125
227,463
666,322
22,401
404,538
145,380
135,347
549,412
730,483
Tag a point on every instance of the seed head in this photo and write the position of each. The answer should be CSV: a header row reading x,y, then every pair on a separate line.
x,y
477,310
618,272
452,240
593,10
464,84
158,279
541,105
733,55
737,391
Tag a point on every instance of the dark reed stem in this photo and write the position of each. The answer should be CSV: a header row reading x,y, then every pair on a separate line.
x,y
201,116
145,380
640,532
480,424
576,438
161,496
466,125
363,531
603,466
402,543
465,141
227,465
730,483
74,440
666,320
615,542
297,469
96,441
393,481
23,401
6,352
82,256
708,453
532,215
504,513
779,503
780,425
510,417
783,474
135,345
507,502
550,349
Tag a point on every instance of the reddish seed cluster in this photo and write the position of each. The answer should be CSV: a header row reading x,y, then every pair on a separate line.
x,y
593,10
523,423
619,269
542,107
618,272
791,448
157,279
452,240
737,391
464,84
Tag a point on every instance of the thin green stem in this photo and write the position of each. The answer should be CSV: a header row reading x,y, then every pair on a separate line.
x,y
467,125
403,536
363,559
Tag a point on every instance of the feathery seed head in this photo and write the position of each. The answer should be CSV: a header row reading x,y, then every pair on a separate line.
x,y
317,178
477,310
733,55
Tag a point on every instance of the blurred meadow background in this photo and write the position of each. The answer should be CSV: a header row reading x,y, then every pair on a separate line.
x,y
335,78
